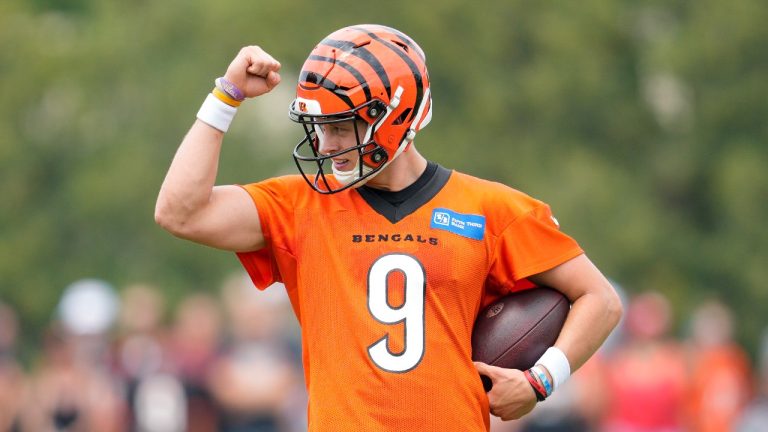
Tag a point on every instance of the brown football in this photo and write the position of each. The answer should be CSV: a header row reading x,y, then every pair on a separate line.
x,y
514,331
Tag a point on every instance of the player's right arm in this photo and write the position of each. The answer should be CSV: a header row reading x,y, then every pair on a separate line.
x,y
189,204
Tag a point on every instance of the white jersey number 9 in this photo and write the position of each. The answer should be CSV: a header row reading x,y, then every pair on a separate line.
x,y
411,311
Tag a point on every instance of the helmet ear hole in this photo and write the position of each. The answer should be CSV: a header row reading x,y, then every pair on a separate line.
x,y
400,119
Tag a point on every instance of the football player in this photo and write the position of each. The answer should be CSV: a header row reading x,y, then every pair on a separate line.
x,y
386,257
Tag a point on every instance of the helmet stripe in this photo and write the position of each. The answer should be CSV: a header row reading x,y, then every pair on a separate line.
x,y
349,68
363,54
409,61
405,39
325,83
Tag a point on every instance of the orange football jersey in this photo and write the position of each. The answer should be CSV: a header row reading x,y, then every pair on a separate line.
x,y
387,296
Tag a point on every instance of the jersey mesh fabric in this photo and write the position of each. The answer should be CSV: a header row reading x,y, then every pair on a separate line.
x,y
328,250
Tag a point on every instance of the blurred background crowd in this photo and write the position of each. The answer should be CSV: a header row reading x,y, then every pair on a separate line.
x,y
113,361
230,360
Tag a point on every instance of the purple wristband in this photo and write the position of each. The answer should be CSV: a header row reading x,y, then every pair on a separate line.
x,y
230,89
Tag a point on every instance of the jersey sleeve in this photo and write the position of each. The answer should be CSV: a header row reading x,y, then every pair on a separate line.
x,y
530,244
274,203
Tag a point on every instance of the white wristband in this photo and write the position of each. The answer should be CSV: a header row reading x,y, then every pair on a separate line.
x,y
216,113
557,364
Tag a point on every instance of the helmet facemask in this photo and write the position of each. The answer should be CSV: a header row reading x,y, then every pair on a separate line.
x,y
370,158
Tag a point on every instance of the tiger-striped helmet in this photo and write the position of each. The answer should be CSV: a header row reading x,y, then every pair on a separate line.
x,y
371,73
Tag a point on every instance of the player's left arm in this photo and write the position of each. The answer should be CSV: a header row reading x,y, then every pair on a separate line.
x,y
595,311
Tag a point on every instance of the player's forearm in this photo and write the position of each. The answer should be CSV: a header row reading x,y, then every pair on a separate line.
x,y
595,311
190,179
591,319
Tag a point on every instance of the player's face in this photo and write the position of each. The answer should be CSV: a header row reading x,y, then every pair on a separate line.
x,y
339,137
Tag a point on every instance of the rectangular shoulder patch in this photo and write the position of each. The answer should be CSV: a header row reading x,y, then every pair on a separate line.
x,y
466,225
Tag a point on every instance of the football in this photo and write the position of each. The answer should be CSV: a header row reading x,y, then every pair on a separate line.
x,y
514,331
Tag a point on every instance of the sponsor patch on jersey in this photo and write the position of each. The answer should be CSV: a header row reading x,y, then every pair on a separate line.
x,y
466,225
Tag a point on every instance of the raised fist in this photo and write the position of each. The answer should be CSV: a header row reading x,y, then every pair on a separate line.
x,y
253,71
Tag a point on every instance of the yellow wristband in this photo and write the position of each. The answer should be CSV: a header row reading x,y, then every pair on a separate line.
x,y
220,95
